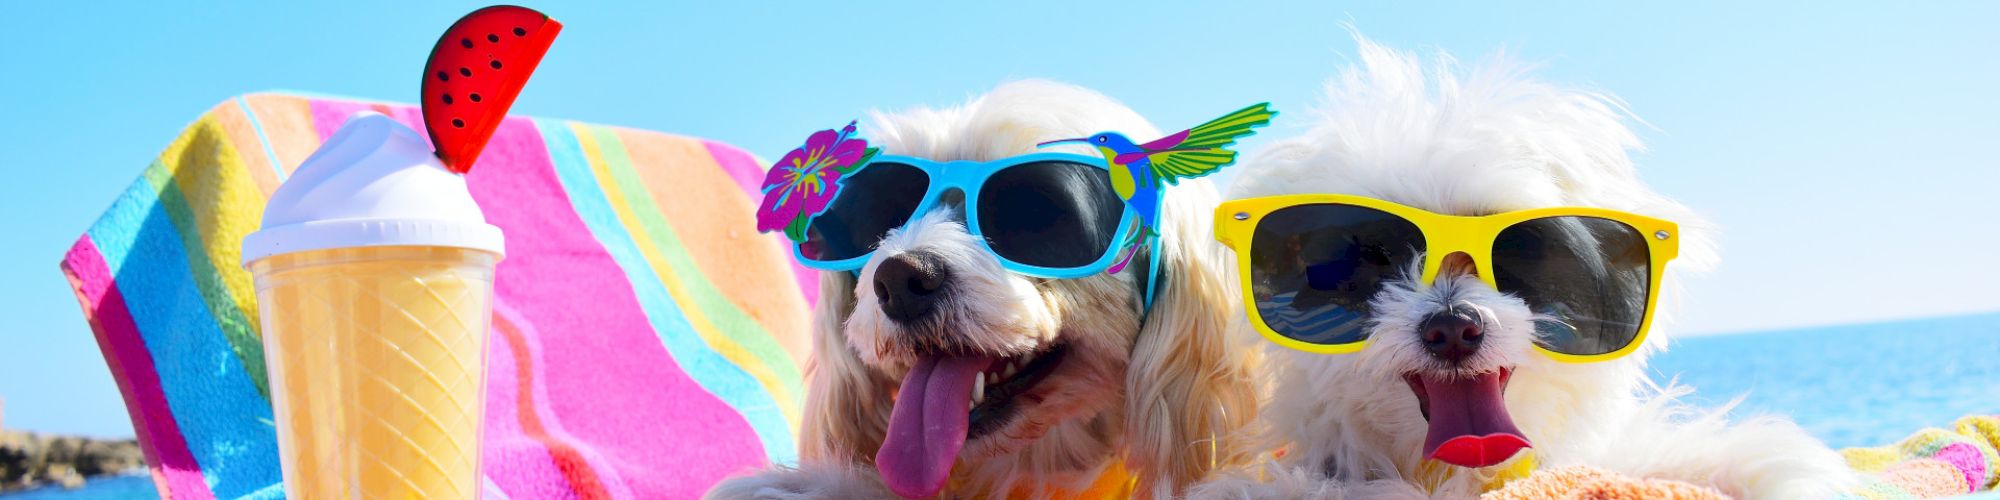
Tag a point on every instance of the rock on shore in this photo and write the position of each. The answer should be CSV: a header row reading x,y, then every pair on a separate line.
x,y
30,460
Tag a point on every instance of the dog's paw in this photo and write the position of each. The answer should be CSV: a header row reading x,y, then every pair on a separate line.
x,y
808,483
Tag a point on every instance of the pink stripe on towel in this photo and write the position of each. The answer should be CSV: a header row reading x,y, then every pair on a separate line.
x,y
175,471
520,191
328,115
519,465
518,418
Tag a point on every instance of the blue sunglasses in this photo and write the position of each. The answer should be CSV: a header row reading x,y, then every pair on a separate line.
x,y
1047,215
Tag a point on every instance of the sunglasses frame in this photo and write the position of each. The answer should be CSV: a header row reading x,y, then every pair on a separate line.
x,y
969,177
1236,222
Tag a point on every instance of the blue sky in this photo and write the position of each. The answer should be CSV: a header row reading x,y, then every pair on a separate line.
x,y
1845,148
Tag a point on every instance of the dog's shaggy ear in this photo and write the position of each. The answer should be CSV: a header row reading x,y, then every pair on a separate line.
x,y
847,404
1190,385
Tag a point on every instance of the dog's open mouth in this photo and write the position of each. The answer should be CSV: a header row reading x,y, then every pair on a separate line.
x,y
1469,425
993,400
946,400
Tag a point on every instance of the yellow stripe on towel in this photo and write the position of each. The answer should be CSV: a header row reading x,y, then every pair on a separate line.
x,y
214,203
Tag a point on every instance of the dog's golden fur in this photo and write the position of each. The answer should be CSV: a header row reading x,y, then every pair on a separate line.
x,y
1162,391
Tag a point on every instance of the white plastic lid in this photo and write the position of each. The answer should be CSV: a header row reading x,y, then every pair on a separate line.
x,y
374,183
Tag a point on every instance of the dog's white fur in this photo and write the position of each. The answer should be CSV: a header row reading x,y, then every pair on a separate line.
x,y
1153,391
1479,141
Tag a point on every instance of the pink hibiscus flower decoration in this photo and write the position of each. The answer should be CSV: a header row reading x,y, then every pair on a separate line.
x,y
805,181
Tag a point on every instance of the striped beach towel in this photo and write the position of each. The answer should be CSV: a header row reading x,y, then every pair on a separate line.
x,y
646,340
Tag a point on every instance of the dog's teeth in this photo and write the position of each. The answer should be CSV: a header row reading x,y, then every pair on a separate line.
x,y
992,378
978,389
1010,370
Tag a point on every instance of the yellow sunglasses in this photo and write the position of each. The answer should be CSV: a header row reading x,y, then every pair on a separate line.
x,y
1312,262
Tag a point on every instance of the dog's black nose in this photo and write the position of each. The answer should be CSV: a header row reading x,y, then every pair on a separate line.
x,y
910,285
1451,335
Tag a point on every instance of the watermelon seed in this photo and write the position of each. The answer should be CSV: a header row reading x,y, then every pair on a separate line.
x,y
463,71
447,98
492,38
465,42
520,32
496,64
457,123
474,96
442,77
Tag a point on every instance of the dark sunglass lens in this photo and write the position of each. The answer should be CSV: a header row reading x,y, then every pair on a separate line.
x,y
1586,277
1313,268
1050,214
873,201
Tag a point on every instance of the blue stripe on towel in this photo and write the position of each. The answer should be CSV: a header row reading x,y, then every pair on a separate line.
x,y
218,408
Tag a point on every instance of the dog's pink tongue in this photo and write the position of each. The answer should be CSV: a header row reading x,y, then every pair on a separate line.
x,y
927,428
1469,422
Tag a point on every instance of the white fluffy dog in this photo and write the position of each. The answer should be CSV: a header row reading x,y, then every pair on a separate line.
x,y
1087,388
1476,142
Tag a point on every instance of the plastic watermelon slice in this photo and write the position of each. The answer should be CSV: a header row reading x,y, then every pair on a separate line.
x,y
474,73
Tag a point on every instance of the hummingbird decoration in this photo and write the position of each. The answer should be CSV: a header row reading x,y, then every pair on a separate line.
x,y
1140,171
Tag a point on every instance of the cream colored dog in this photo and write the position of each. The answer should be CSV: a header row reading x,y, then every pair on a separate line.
x,y
1083,389
1479,142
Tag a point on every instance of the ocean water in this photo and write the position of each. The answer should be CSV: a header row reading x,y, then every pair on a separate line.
x,y
124,487
1851,385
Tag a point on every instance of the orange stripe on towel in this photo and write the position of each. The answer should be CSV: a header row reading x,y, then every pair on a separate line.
x,y
234,121
288,125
